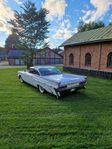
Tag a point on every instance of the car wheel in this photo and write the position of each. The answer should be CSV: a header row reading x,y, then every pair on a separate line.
x,y
58,95
21,80
41,89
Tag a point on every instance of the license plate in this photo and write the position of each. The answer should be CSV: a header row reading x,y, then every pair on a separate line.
x,y
73,85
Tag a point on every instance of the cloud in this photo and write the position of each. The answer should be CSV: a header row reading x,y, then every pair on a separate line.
x,y
19,2
50,44
5,29
56,8
1,44
5,14
101,8
63,31
1,24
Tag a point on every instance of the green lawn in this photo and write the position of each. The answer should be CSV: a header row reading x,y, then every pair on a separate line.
x,y
29,120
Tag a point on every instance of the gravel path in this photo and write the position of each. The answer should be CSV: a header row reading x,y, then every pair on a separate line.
x,y
4,67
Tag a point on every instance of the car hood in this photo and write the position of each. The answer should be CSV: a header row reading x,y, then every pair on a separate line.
x,y
64,79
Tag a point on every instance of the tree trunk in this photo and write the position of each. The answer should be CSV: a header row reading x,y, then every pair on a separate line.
x,y
30,60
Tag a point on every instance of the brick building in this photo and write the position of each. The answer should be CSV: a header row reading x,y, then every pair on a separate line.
x,y
90,52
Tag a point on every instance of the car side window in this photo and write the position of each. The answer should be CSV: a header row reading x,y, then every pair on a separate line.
x,y
36,72
33,71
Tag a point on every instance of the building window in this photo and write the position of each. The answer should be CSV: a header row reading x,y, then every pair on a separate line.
x,y
88,59
109,60
71,59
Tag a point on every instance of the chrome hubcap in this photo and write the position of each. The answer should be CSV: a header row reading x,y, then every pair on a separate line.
x,y
21,80
41,89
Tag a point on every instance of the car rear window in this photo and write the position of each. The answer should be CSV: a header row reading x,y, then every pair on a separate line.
x,y
49,71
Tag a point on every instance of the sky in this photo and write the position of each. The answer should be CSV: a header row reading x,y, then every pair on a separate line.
x,y
64,16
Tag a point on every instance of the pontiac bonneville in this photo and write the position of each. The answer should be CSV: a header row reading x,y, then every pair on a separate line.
x,y
52,80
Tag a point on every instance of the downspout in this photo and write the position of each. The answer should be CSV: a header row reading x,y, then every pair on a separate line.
x,y
100,56
80,58
64,58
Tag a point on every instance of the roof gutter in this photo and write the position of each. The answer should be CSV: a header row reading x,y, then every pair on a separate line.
x,y
87,42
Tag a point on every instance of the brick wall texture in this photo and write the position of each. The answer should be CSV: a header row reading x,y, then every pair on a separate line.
x,y
99,53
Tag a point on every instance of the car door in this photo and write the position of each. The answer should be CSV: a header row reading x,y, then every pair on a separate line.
x,y
34,77
27,76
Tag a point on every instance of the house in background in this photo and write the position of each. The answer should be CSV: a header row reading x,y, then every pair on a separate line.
x,y
3,55
42,57
15,57
90,52
48,56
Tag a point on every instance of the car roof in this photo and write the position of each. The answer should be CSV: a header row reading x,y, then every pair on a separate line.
x,y
42,66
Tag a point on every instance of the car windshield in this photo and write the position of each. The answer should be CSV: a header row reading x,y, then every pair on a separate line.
x,y
49,71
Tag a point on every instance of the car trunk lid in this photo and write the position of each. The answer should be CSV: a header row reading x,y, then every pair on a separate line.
x,y
65,79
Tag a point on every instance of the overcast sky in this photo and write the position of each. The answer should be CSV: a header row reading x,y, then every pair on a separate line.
x,y
64,16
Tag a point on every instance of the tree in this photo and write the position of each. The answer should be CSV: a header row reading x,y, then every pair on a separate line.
x,y
10,42
89,26
31,27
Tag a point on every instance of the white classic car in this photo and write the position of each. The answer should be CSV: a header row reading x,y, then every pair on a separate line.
x,y
49,78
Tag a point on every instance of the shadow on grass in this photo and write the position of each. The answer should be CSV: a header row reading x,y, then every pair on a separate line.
x,y
66,96
73,96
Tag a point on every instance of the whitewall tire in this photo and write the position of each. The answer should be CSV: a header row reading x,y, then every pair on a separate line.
x,y
58,95
41,89
21,80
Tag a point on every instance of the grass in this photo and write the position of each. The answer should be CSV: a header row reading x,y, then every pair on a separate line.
x,y
30,120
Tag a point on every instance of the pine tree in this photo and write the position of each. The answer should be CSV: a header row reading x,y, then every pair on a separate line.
x,y
31,27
